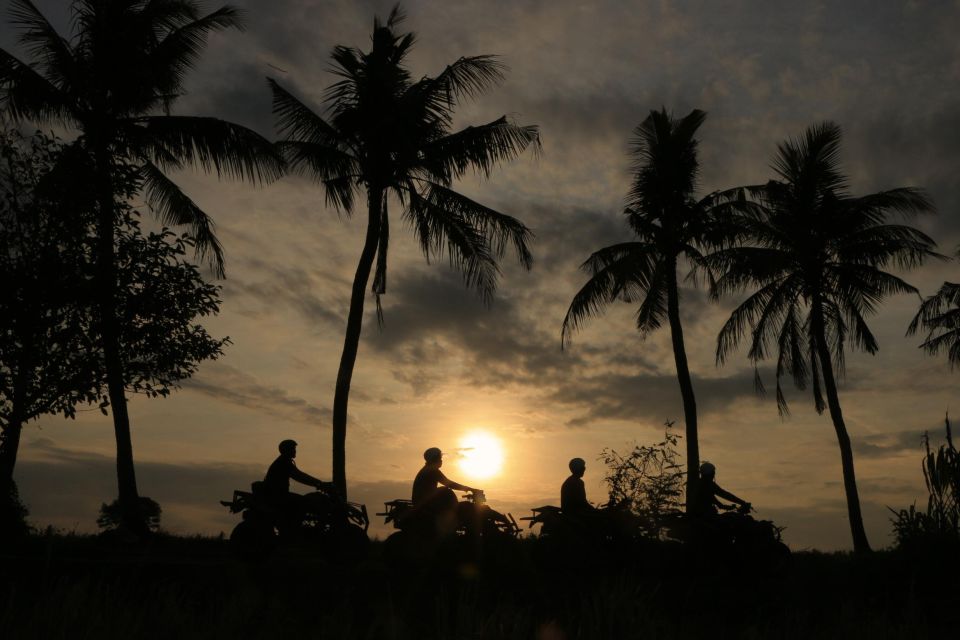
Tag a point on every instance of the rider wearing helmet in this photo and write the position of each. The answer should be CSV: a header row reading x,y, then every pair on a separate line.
x,y
573,495
709,491
432,491
283,469
276,486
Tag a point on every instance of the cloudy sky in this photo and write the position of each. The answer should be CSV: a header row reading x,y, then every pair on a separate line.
x,y
444,365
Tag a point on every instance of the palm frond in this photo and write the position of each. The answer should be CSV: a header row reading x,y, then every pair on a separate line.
x,y
180,48
622,271
468,77
653,309
26,95
212,145
481,148
173,207
43,43
318,161
498,229
297,122
441,230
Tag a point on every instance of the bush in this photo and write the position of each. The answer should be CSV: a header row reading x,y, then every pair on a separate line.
x,y
649,480
939,524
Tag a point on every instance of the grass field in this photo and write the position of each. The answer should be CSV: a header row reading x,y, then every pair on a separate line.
x,y
85,587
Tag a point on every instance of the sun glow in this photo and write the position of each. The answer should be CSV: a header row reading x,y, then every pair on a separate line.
x,y
481,455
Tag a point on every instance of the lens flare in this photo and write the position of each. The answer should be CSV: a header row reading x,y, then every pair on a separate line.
x,y
481,455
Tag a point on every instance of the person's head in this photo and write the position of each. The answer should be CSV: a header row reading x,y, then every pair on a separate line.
x,y
288,448
578,467
707,471
433,456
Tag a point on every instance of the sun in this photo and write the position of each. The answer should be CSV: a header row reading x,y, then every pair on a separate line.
x,y
481,455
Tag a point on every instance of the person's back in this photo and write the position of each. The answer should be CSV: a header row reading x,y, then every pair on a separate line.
x,y
425,484
277,481
573,493
433,496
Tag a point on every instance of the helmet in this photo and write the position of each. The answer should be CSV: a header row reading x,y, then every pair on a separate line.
x,y
287,445
577,463
707,469
432,454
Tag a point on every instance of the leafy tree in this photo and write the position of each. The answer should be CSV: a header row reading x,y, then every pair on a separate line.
x,y
670,225
51,360
44,324
114,81
815,257
384,133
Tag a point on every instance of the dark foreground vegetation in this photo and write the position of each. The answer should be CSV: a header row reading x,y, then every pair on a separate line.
x,y
68,586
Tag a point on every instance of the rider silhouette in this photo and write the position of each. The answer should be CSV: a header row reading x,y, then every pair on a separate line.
x,y
709,491
573,495
432,491
276,485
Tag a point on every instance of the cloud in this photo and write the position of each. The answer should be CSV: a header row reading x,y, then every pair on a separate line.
x,y
231,385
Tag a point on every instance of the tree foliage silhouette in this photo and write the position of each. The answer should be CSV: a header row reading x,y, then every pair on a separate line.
x,y
51,360
815,257
115,81
384,133
670,224
939,317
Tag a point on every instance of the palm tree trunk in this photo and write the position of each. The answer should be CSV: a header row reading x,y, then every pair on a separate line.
x,y
686,385
110,335
351,341
860,543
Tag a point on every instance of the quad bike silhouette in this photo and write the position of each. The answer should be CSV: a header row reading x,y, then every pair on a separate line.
x,y
734,534
611,523
321,520
421,533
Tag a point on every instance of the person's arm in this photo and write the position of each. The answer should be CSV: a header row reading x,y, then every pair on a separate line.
x,y
726,495
304,478
450,484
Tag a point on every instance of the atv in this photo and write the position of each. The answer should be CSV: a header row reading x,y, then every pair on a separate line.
x,y
321,519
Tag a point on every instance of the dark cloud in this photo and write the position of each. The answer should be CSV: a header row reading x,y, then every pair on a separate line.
x,y
234,386
889,444
264,287
649,398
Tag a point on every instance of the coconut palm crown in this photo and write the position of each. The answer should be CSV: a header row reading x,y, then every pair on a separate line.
x,y
671,226
814,257
384,134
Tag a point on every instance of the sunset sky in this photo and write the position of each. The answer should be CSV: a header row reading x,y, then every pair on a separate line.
x,y
444,366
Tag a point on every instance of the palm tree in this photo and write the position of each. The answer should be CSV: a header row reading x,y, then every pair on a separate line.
x,y
114,81
816,261
384,133
669,224
939,316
